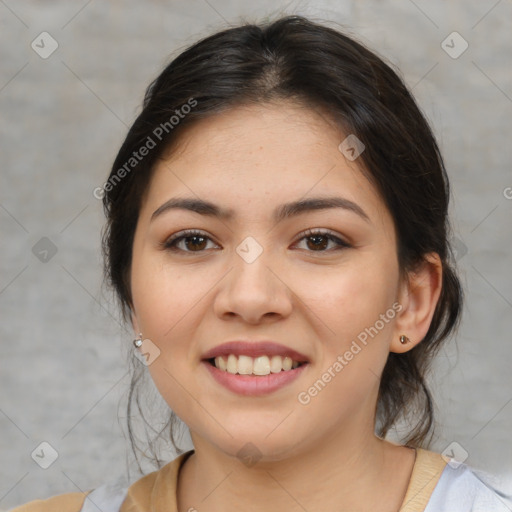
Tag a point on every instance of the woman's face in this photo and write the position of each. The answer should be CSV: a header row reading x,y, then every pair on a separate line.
x,y
258,275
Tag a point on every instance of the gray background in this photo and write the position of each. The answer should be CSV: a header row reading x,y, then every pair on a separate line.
x,y
63,364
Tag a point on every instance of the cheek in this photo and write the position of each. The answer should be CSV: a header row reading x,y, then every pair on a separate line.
x,y
353,311
162,295
354,341
350,298
167,304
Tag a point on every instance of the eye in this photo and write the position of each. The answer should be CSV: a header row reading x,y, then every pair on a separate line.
x,y
196,240
318,240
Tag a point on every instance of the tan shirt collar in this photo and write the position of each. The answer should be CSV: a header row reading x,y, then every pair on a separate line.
x,y
157,491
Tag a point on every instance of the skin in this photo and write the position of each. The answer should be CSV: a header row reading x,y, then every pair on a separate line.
x,y
319,456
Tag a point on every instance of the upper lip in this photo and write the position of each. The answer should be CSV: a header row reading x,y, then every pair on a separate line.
x,y
254,349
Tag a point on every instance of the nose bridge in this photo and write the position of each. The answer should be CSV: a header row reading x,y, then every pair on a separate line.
x,y
252,261
253,287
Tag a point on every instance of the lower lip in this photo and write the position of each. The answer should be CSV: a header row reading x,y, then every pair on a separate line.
x,y
254,385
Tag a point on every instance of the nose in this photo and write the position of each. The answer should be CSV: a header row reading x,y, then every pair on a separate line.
x,y
254,291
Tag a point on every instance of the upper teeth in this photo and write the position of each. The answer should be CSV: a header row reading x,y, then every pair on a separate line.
x,y
262,365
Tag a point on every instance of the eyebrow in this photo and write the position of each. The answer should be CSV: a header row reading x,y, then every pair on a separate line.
x,y
282,212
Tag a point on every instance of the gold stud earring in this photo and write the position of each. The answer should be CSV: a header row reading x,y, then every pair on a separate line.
x,y
138,341
404,339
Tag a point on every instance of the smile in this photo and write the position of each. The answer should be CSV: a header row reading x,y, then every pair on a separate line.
x,y
261,365
251,384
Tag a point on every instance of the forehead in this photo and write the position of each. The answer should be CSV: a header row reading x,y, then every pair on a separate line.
x,y
262,155
276,131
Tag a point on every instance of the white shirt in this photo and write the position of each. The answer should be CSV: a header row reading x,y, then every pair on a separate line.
x,y
462,489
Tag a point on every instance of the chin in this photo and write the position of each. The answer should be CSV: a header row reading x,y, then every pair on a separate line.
x,y
255,446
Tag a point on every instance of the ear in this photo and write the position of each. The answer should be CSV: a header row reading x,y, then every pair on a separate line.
x,y
418,295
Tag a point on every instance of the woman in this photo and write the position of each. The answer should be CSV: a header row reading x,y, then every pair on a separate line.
x,y
277,233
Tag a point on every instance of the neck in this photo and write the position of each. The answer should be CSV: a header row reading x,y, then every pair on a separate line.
x,y
354,471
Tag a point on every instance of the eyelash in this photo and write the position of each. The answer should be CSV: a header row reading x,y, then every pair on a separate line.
x,y
171,242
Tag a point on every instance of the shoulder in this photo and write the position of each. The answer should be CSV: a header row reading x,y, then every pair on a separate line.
x,y
71,502
439,484
153,491
463,488
107,498
157,490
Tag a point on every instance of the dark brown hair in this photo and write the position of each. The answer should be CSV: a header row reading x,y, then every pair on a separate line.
x,y
297,59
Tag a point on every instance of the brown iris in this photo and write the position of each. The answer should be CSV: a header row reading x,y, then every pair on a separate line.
x,y
198,246
318,245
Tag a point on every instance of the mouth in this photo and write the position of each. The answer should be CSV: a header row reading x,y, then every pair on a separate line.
x,y
254,368
259,366
247,383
